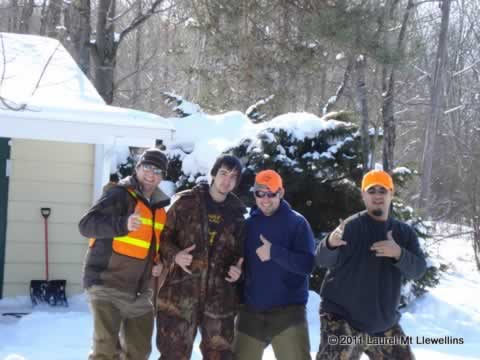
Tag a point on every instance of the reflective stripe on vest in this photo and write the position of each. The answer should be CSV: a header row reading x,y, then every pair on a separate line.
x,y
136,243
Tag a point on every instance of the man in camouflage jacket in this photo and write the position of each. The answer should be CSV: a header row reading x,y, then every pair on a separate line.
x,y
201,247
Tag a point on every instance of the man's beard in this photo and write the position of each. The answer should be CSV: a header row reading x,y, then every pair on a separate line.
x,y
377,212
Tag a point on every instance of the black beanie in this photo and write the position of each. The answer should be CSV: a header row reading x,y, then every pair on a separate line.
x,y
154,157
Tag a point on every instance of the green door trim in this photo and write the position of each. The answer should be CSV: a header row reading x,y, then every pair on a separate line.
x,y
4,158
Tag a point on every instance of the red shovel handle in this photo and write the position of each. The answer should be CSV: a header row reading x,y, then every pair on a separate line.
x,y
46,213
46,248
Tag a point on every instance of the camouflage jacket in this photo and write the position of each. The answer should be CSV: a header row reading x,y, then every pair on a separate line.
x,y
106,220
205,289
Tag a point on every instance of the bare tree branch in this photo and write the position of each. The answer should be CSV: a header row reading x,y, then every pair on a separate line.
x,y
45,68
338,94
140,19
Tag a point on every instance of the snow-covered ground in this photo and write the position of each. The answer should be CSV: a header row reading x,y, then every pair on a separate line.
x,y
450,311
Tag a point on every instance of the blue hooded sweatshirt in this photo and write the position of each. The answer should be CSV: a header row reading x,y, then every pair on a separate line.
x,y
283,280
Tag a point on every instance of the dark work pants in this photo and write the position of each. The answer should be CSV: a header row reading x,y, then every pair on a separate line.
x,y
285,328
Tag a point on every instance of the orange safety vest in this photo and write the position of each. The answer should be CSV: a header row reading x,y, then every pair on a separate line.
x,y
136,243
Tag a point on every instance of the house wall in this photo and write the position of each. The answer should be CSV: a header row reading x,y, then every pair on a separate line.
x,y
46,174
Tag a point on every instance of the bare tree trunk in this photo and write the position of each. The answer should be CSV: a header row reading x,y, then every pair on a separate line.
x,y
137,65
308,84
104,54
79,32
161,70
389,133
50,19
476,239
361,103
388,86
27,11
12,23
323,82
43,17
437,104
281,99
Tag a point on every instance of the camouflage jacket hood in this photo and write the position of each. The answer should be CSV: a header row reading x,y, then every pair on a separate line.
x,y
187,224
108,219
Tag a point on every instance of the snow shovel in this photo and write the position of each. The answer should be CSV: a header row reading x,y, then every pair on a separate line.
x,y
48,291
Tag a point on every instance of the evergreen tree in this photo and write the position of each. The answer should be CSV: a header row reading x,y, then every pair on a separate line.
x,y
322,175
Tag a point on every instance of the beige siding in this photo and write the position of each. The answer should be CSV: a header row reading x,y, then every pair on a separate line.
x,y
46,174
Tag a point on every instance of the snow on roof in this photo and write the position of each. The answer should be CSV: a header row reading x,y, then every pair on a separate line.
x,y
42,87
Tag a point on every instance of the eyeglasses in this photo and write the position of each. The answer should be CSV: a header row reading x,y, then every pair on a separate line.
x,y
152,168
373,191
261,194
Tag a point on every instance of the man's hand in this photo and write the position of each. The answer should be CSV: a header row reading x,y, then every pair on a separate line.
x,y
157,269
235,271
335,238
387,248
263,251
134,222
184,258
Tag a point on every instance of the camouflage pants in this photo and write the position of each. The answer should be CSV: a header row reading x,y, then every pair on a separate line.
x,y
339,341
175,337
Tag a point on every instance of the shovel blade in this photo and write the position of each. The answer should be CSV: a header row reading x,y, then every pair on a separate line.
x,y
49,292
56,295
38,291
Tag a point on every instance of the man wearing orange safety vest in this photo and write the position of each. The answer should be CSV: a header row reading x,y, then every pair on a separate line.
x,y
124,228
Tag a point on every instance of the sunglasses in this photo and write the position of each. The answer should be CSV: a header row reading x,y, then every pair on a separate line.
x,y
373,191
154,169
261,194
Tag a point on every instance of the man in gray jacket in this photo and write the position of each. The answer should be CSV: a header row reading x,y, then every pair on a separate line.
x,y
367,256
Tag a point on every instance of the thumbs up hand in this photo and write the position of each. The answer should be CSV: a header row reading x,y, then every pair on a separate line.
x,y
387,248
134,221
184,258
263,252
235,271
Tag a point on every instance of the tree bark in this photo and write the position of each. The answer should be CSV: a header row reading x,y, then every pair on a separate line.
x,y
50,19
104,54
437,104
12,23
79,31
137,61
361,103
27,11
388,85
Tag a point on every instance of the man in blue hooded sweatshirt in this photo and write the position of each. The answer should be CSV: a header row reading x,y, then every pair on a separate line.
x,y
279,256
